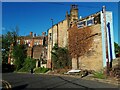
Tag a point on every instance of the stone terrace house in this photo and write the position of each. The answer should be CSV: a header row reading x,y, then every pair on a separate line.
x,y
86,36
58,33
37,47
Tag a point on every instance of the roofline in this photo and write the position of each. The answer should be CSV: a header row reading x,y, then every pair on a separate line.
x,y
89,16
56,24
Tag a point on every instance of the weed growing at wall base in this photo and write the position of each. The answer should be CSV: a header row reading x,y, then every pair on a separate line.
x,y
99,75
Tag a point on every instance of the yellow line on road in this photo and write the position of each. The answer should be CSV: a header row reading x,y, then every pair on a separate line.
x,y
7,85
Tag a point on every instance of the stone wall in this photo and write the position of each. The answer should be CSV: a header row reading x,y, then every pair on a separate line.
x,y
85,46
37,51
59,36
49,48
62,33
92,60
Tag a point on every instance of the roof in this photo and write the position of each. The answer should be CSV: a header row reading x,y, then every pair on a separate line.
x,y
29,37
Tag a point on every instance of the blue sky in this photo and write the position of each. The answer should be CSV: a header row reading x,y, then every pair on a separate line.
x,y
36,16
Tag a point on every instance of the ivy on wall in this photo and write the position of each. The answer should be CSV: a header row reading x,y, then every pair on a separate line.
x,y
80,41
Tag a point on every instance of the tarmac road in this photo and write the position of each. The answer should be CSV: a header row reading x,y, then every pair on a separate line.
x,y
21,81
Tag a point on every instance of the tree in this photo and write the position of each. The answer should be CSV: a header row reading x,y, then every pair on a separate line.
x,y
60,57
80,41
117,48
19,55
28,64
7,39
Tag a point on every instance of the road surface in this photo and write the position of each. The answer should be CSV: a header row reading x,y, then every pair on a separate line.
x,y
21,81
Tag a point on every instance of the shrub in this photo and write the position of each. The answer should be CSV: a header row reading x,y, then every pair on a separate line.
x,y
19,55
23,70
41,70
60,57
28,65
7,68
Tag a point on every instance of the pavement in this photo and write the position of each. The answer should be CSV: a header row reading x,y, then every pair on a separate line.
x,y
109,80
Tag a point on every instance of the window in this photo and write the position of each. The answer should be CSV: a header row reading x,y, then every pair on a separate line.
x,y
90,22
50,35
81,24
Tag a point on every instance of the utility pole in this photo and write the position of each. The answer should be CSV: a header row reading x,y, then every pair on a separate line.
x,y
52,31
52,43
106,41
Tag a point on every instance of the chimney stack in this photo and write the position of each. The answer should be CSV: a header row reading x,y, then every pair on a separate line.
x,y
31,33
43,33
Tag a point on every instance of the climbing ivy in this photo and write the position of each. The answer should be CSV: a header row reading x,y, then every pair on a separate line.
x,y
60,57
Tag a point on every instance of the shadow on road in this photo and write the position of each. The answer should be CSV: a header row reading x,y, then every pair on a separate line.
x,y
21,87
67,81
86,88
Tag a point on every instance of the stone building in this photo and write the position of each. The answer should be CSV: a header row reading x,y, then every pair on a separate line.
x,y
100,50
39,54
58,33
